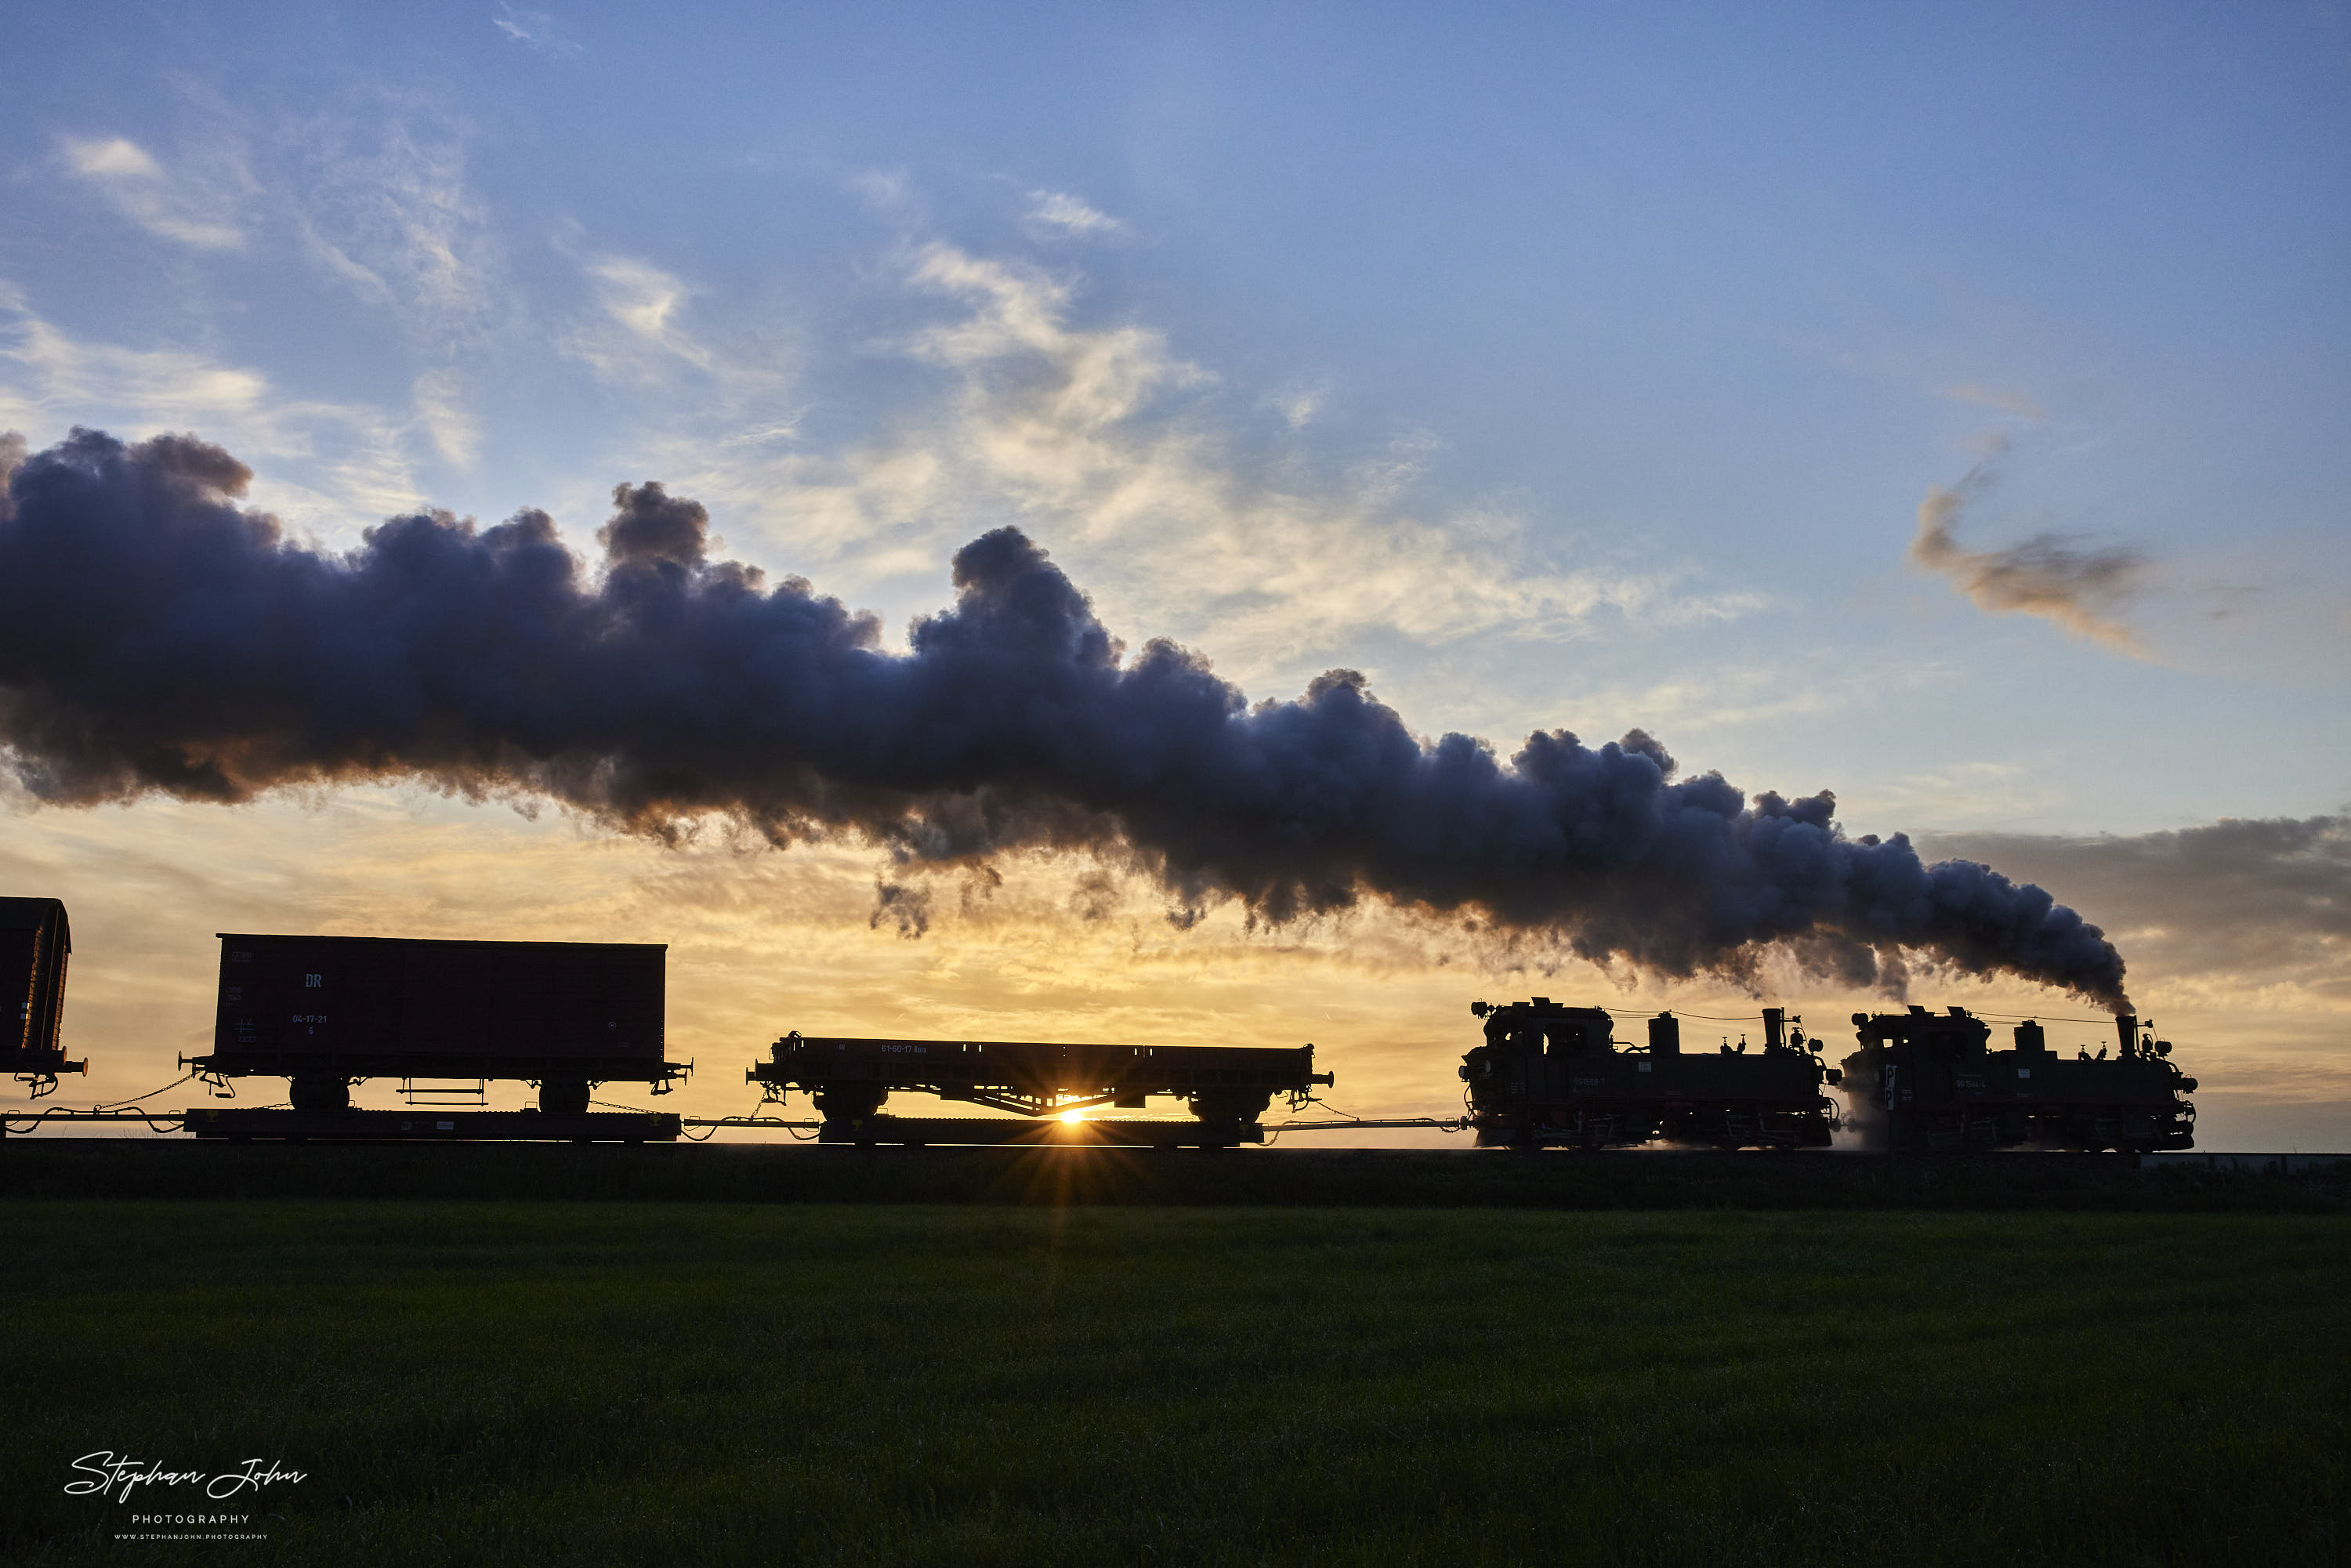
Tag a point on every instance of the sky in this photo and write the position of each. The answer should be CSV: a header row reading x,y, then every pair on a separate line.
x,y
1949,409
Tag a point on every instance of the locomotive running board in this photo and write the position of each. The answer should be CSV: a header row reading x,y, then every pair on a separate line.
x,y
428,1124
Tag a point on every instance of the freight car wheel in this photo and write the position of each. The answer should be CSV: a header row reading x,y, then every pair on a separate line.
x,y
319,1093
1237,1107
848,1102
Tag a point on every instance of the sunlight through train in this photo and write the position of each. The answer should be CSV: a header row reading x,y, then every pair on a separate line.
x,y
446,1018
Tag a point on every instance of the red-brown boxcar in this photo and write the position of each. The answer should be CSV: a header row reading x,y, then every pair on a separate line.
x,y
35,943
327,1011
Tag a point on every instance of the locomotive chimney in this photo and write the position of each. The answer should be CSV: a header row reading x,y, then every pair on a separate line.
x,y
2126,1026
1775,1028
1665,1035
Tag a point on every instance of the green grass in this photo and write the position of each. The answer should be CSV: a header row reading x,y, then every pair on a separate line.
x,y
589,1383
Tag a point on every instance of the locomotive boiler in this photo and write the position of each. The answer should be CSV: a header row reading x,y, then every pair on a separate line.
x,y
1931,1082
1552,1074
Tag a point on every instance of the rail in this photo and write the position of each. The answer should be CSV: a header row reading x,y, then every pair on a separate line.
x,y
156,1122
1442,1124
23,1122
744,1122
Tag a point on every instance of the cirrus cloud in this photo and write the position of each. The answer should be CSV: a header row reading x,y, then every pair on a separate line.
x,y
190,209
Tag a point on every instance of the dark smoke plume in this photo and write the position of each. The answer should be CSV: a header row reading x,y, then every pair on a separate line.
x,y
155,636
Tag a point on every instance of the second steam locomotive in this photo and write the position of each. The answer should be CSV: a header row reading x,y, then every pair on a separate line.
x,y
1930,1083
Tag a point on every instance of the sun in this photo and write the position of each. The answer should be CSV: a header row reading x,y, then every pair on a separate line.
x,y
1073,1115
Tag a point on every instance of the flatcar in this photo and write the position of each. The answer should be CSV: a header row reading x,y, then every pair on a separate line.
x,y
1551,1074
1227,1088
1928,1081
36,941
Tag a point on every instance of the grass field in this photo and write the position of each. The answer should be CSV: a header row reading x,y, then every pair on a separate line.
x,y
704,1384
1286,1177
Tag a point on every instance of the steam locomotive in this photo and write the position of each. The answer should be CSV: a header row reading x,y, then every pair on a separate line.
x,y
1930,1082
1549,1073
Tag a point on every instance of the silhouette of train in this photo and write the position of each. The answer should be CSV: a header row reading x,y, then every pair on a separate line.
x,y
1934,1083
1552,1074
326,1012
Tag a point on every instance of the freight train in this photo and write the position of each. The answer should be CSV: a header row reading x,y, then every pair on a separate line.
x,y
326,1012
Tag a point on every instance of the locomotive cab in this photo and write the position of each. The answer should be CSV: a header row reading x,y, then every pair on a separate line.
x,y
1529,1045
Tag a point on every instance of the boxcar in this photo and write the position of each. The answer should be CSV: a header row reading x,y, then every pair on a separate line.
x,y
35,943
328,1011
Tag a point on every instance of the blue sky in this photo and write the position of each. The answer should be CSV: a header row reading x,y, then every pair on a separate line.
x,y
1581,366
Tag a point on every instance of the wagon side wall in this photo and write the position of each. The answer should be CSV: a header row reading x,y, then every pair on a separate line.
x,y
363,997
